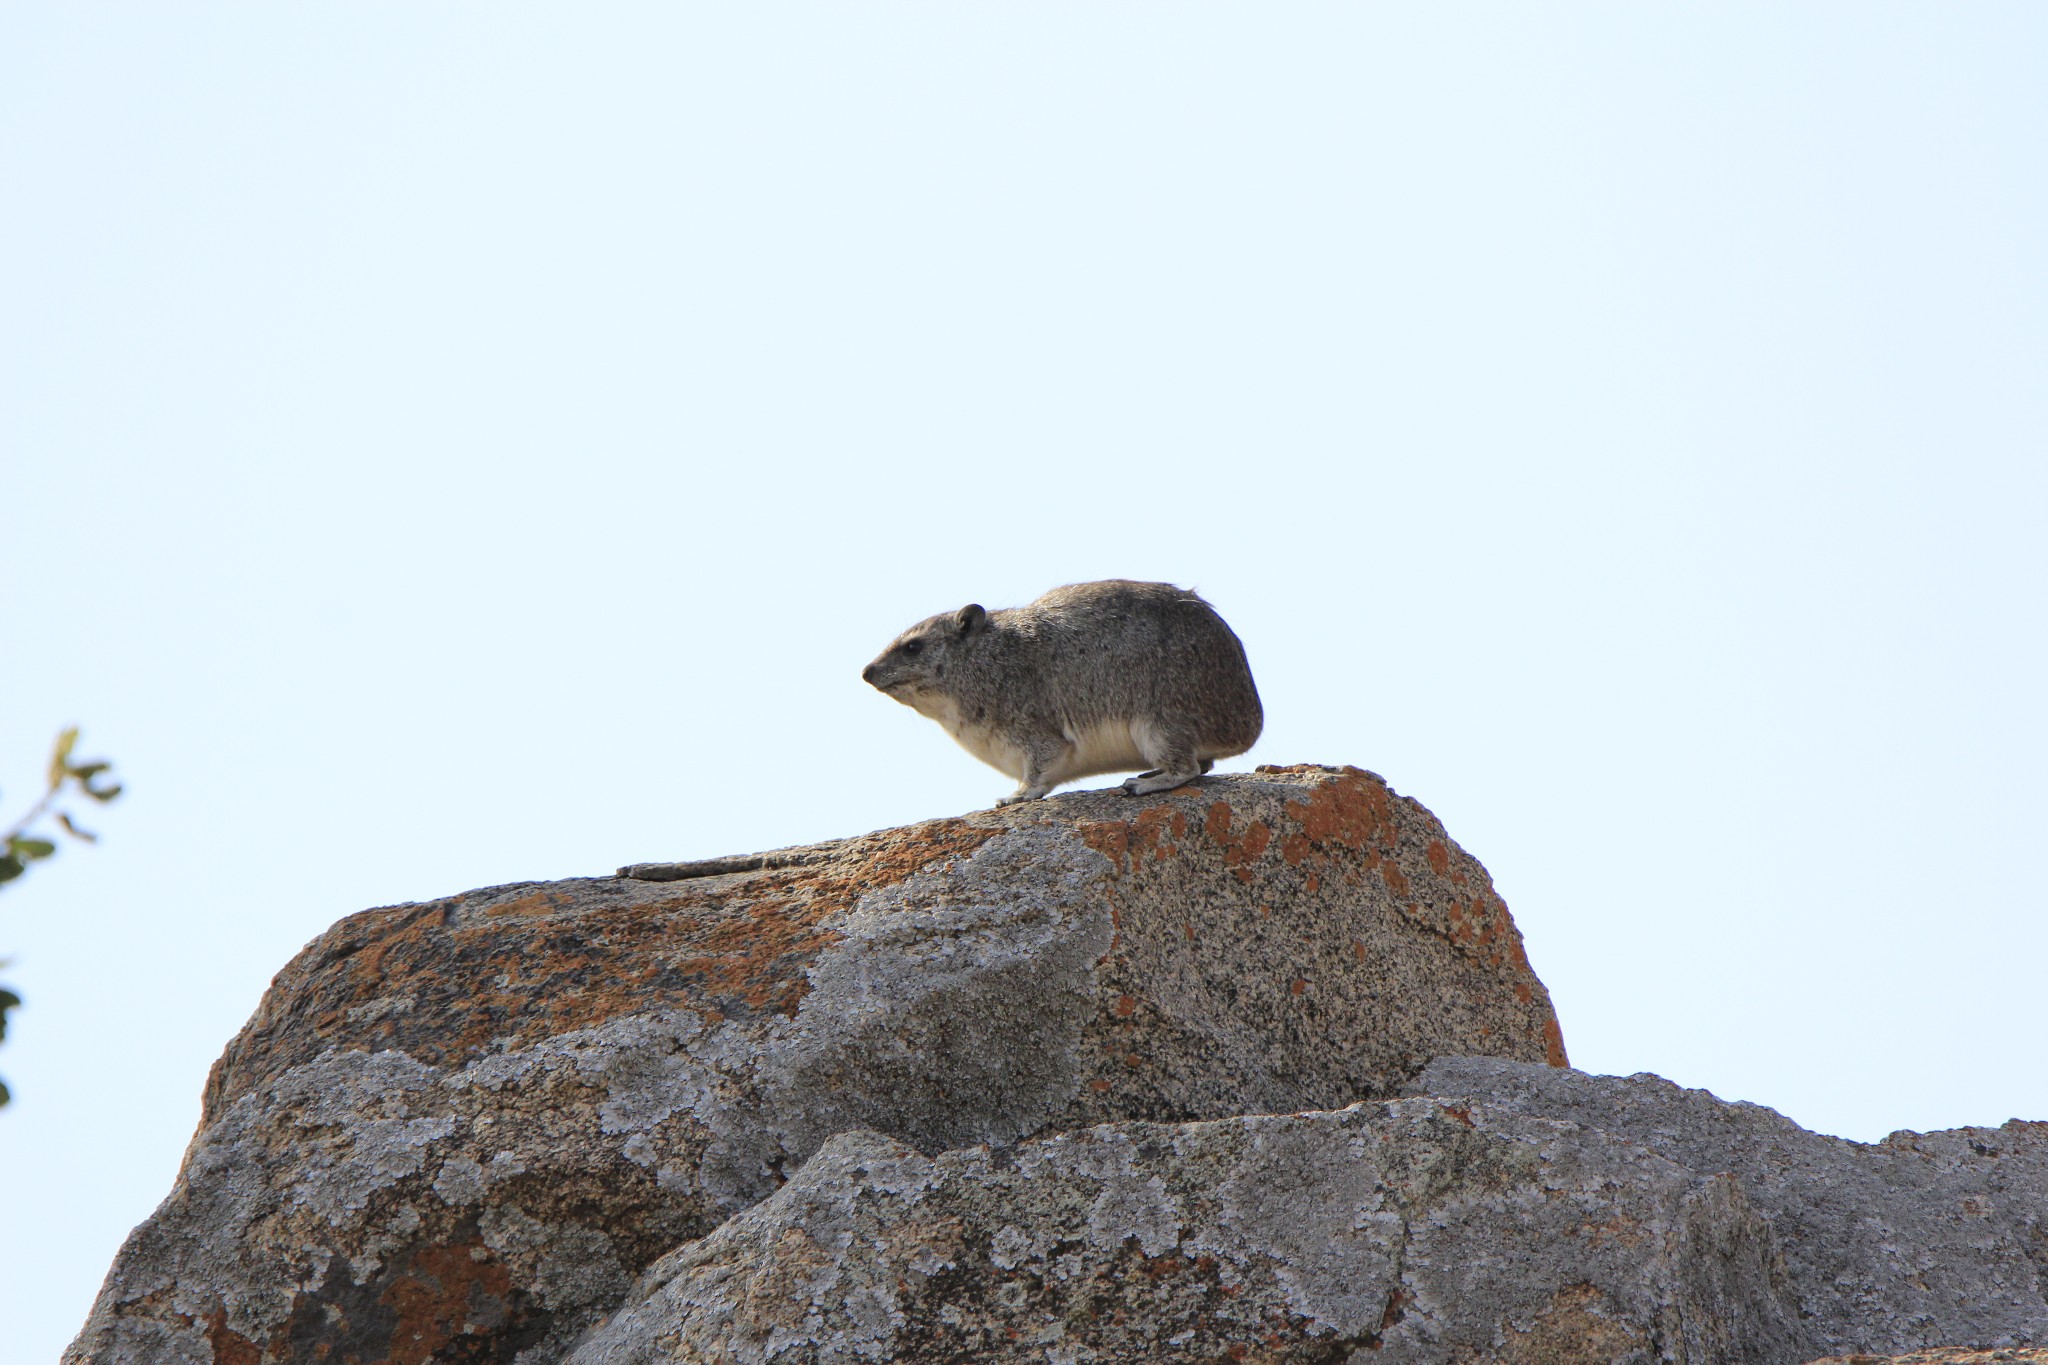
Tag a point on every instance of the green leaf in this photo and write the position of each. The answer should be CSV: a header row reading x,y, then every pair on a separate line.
x,y
104,794
85,772
60,760
28,850
4,1095
10,867
74,831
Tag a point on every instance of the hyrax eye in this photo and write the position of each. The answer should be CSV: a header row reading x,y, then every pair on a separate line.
x,y
913,646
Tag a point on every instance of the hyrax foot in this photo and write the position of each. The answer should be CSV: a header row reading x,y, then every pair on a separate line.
x,y
1022,794
1144,784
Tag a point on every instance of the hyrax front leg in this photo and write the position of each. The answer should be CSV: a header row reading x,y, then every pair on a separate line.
x,y
1172,756
1045,762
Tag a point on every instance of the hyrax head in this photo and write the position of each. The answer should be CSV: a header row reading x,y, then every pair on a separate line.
x,y
915,663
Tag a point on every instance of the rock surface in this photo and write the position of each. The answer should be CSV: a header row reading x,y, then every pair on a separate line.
x,y
1952,1355
1922,1240
1396,1233
1506,1212
456,1131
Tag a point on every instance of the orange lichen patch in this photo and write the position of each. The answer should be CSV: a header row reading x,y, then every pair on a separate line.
x,y
741,957
1159,829
446,1288
887,860
1110,838
1239,850
229,1346
1576,1325
1298,986
1358,948
1294,848
1160,820
410,926
1154,830
1168,1264
1125,1007
1098,1084
539,903
1217,825
1553,1042
1462,1113
1439,857
1396,880
473,976
1473,925
1348,810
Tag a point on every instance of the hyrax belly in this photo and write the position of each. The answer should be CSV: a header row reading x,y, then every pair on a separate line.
x,y
1108,746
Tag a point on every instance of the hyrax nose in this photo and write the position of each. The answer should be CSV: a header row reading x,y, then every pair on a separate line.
x,y
868,675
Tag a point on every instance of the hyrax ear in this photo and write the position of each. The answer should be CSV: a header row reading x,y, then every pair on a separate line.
x,y
969,619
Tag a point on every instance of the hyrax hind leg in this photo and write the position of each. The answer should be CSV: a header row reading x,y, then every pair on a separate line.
x,y
1207,764
1171,752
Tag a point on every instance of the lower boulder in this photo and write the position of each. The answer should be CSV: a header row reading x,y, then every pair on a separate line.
x,y
1924,1240
1950,1355
1398,1233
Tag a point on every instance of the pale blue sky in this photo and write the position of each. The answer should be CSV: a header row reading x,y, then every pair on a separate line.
x,y
447,445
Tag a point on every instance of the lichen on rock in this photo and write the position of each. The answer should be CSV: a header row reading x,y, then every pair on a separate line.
x,y
1395,1231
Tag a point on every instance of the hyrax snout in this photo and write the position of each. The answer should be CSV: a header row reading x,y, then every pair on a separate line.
x,y
1090,678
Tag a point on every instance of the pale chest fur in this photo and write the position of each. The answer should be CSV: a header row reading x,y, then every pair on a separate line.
x,y
981,739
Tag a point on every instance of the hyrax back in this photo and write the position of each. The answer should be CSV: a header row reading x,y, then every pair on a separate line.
x,y
1091,678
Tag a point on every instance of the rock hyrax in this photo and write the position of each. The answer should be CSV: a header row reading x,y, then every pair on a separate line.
x,y
1091,678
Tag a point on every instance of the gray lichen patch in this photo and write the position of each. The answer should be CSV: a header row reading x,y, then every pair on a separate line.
x,y
1295,1237
951,1009
1922,1240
